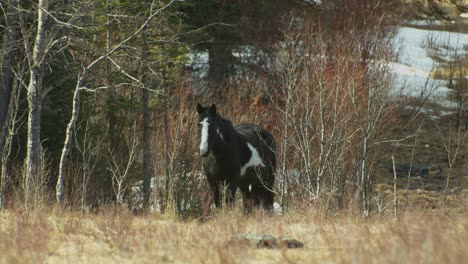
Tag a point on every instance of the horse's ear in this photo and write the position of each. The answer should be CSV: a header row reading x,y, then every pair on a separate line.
x,y
200,108
213,109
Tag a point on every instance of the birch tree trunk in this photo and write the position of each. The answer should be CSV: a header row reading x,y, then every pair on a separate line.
x,y
8,89
59,187
76,99
7,147
364,177
34,97
6,75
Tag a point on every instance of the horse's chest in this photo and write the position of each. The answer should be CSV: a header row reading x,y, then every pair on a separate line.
x,y
210,165
219,166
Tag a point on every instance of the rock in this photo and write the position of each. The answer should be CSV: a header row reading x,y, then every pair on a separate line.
x,y
277,208
266,241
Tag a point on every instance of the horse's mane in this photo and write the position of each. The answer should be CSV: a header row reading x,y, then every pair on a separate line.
x,y
225,121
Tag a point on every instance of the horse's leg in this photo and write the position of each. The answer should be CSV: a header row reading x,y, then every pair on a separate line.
x,y
214,186
267,198
265,192
230,194
257,197
216,195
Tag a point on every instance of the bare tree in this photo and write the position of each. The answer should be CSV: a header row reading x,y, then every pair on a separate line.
x,y
36,58
289,63
9,91
377,108
154,11
10,133
166,137
89,149
9,52
147,161
395,201
452,66
334,98
453,141
111,93
458,66
120,172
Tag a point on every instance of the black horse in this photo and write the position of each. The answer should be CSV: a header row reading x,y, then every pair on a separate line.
x,y
241,156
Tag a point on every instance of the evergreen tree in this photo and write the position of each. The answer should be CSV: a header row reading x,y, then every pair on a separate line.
x,y
230,24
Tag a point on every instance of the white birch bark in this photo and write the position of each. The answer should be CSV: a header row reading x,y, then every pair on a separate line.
x,y
59,188
34,97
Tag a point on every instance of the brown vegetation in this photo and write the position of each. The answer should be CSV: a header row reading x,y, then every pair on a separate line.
x,y
329,99
116,235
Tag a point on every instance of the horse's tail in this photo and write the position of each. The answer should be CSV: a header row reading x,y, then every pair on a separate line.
x,y
267,139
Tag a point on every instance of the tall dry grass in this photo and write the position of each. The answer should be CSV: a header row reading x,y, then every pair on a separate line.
x,y
116,235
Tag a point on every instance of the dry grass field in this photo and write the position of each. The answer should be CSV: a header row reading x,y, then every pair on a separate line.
x,y
117,236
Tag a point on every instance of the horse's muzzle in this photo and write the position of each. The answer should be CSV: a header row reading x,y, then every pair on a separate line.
x,y
204,154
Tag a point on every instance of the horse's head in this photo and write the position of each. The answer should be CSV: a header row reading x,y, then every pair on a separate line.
x,y
207,127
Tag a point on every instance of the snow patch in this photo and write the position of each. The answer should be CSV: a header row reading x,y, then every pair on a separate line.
x,y
415,65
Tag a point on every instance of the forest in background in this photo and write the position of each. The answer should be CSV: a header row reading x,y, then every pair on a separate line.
x,y
97,96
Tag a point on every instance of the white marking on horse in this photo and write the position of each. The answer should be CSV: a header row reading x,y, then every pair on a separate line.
x,y
220,134
255,160
204,136
250,187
